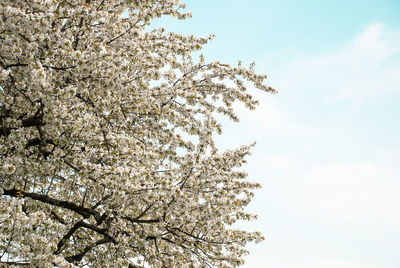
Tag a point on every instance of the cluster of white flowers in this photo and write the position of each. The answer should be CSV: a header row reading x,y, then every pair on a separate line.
x,y
96,167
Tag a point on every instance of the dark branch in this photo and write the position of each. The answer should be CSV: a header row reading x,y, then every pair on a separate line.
x,y
14,263
67,236
83,211
33,121
61,220
79,224
37,141
5,131
18,64
137,220
102,231
133,266
88,100
59,68
119,36
79,257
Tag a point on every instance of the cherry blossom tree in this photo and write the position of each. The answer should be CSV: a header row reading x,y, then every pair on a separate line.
x,y
107,156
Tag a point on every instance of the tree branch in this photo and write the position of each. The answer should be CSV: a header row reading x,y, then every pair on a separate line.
x,y
79,224
79,257
118,36
67,236
83,211
14,263
136,220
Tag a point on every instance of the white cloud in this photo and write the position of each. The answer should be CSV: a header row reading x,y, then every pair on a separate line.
x,y
359,71
352,192
270,117
375,44
278,161
312,263
334,175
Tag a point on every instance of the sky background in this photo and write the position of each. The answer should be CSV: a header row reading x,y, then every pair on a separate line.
x,y
328,147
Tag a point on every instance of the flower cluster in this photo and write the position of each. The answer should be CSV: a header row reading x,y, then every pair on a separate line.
x,y
107,156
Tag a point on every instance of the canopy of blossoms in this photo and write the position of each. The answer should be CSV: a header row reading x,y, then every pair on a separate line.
x,y
107,156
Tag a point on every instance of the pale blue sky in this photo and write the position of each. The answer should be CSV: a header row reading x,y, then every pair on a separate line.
x,y
328,147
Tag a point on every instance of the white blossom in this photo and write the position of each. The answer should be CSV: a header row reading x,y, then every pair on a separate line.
x,y
107,156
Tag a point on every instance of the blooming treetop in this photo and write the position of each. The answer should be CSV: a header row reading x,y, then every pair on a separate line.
x,y
107,156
